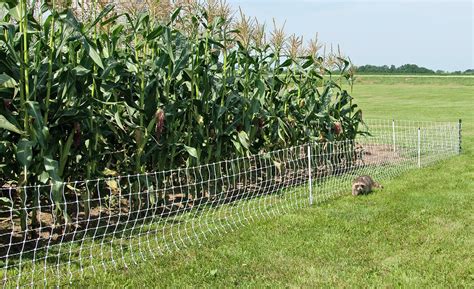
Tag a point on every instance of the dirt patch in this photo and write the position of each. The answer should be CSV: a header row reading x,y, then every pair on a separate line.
x,y
381,155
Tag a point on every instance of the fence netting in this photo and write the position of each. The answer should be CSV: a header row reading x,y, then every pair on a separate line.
x,y
118,222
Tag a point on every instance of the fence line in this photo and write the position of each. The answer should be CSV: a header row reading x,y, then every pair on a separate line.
x,y
121,221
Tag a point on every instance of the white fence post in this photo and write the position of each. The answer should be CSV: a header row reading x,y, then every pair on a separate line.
x,y
419,147
393,134
310,176
460,136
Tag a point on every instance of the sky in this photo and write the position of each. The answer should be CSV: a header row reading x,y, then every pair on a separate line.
x,y
436,34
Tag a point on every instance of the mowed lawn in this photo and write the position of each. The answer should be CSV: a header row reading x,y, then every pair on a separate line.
x,y
417,232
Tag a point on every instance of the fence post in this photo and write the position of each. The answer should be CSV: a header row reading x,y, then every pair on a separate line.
x,y
393,134
419,147
460,135
310,176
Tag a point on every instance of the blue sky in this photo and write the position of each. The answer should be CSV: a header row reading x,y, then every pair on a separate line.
x,y
435,34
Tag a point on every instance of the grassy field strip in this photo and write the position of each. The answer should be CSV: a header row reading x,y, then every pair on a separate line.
x,y
414,76
450,86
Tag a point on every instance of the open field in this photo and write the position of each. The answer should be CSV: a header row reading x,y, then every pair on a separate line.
x,y
414,98
431,80
416,75
416,232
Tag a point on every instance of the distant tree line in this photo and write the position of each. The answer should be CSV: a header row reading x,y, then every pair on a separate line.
x,y
404,69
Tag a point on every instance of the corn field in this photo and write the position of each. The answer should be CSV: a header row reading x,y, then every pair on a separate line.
x,y
90,91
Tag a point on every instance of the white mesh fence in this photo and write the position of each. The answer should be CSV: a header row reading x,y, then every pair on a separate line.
x,y
117,222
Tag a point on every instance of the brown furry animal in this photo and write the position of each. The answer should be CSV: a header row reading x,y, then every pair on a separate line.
x,y
364,185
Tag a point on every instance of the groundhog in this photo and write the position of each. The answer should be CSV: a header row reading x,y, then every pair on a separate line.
x,y
364,185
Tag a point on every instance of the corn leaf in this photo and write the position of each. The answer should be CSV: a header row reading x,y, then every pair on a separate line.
x,y
192,151
7,81
24,152
5,124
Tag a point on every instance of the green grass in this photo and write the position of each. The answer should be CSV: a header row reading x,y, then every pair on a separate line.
x,y
417,232
431,80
